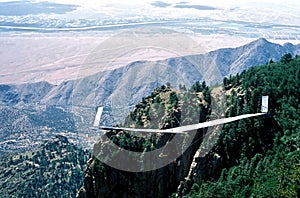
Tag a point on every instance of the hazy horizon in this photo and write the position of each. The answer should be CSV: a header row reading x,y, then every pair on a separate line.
x,y
61,34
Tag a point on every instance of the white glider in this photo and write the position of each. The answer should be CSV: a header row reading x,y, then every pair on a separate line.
x,y
183,129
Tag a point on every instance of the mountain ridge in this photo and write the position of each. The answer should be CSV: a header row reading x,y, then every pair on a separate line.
x,y
229,61
253,157
121,88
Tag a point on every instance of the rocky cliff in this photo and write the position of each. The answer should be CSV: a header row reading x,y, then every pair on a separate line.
x,y
254,157
105,177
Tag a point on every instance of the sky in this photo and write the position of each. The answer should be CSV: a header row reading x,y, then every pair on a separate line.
x,y
261,10
270,17
278,4
152,7
223,4
92,4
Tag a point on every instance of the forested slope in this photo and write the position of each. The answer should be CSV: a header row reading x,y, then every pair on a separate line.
x,y
55,169
162,109
253,157
261,156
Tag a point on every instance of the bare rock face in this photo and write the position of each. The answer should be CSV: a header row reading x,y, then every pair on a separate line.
x,y
104,181
201,169
171,164
192,165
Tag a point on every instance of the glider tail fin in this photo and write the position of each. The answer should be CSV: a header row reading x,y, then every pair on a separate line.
x,y
98,117
264,104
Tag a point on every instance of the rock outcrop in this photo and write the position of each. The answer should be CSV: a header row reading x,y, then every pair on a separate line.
x,y
102,179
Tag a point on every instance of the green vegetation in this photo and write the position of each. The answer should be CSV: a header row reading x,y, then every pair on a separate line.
x,y
56,169
260,156
25,127
163,110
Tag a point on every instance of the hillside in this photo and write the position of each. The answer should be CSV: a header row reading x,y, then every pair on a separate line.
x,y
162,109
28,126
53,170
254,157
260,157
74,101
189,69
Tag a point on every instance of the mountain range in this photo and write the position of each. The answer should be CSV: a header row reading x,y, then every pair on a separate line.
x,y
31,107
252,157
